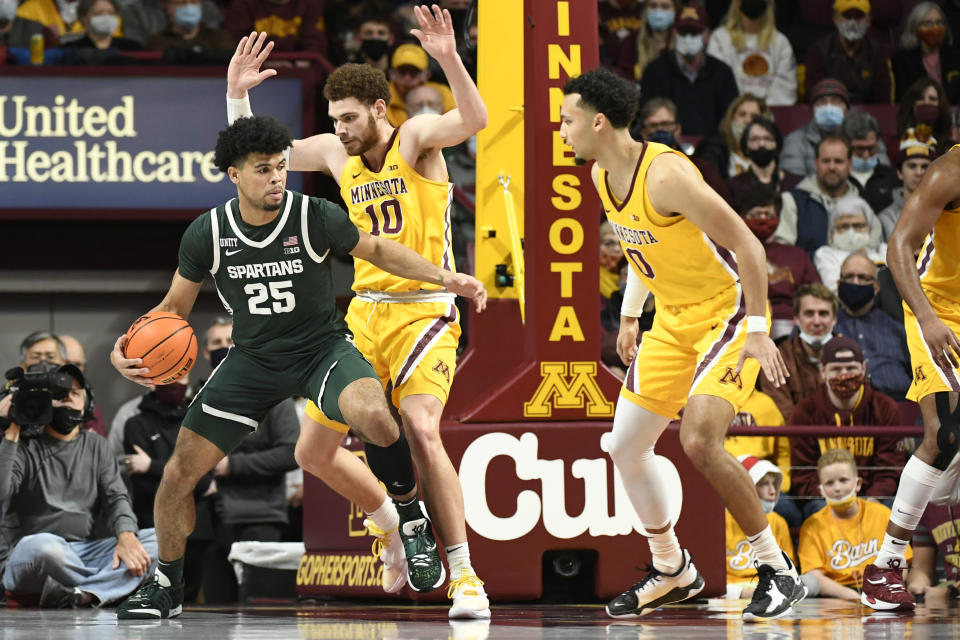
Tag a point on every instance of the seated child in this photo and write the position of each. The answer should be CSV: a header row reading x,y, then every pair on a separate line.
x,y
841,539
741,562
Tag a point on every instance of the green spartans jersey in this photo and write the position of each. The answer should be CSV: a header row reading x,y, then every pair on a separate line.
x,y
275,280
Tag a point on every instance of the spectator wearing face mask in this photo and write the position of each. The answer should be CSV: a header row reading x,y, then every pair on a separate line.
x,y
101,22
656,34
144,18
15,32
788,267
846,399
186,33
846,522
912,161
804,220
926,49
830,101
722,149
372,41
658,121
761,143
925,112
883,339
870,166
59,17
853,228
851,56
700,85
815,314
760,56
741,561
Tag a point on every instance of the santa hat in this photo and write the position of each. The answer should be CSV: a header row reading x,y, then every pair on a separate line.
x,y
758,468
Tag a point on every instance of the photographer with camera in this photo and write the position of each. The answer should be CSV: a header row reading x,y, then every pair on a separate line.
x,y
50,486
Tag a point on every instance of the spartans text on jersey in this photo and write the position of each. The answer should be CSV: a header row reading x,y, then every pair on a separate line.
x,y
265,269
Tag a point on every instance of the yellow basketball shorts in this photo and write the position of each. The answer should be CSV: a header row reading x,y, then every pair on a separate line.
x,y
693,349
928,377
411,345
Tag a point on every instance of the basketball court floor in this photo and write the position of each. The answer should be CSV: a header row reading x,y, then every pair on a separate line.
x,y
815,619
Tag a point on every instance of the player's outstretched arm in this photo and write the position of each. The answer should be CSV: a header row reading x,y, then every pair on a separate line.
x,y
179,300
397,259
675,185
937,190
437,38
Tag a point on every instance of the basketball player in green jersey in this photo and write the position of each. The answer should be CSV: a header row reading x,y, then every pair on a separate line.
x,y
269,253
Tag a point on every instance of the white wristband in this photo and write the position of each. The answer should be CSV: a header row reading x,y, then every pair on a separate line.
x,y
757,324
238,108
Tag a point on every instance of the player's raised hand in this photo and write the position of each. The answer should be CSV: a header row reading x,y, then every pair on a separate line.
x,y
468,287
436,31
761,348
129,368
244,71
942,342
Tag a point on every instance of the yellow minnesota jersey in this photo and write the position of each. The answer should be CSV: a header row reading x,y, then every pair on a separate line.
x,y
939,258
676,260
842,549
397,203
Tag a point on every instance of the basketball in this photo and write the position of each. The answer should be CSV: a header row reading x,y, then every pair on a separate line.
x,y
166,344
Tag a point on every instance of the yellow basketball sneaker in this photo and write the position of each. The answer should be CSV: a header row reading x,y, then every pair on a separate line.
x,y
388,547
469,598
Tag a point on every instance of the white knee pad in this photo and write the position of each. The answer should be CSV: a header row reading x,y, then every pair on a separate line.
x,y
635,432
947,491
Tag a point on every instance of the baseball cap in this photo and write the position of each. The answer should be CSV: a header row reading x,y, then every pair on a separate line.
x,y
842,6
692,17
829,87
912,146
409,55
838,344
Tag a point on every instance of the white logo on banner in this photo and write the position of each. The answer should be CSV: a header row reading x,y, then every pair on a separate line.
x,y
550,501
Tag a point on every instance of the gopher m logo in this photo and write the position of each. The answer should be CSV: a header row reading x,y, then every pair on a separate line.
x,y
442,368
729,377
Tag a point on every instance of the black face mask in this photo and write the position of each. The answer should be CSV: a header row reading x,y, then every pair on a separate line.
x,y
457,16
65,419
753,9
374,48
855,296
217,356
664,137
761,156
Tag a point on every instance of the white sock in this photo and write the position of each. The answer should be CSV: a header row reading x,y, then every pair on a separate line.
x,y
385,516
891,554
665,549
458,558
767,550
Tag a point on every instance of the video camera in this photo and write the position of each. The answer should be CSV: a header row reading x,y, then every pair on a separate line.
x,y
34,391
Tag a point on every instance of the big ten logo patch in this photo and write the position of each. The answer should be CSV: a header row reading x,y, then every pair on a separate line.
x,y
356,516
561,390
729,377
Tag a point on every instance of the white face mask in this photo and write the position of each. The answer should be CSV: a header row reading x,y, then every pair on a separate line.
x,y
851,240
689,45
768,505
68,10
815,342
8,10
425,110
852,30
104,25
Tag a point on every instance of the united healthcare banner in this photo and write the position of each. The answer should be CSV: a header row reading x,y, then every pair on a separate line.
x,y
119,142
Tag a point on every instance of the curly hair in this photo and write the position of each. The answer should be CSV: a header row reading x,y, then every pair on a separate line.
x,y
606,93
361,81
257,134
